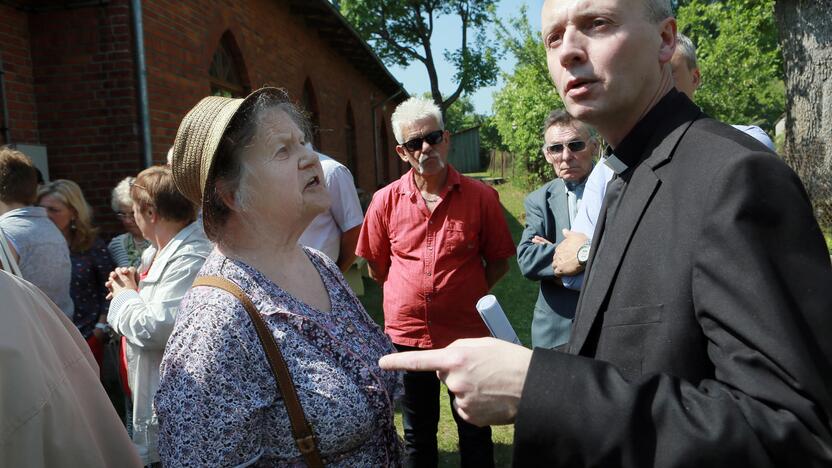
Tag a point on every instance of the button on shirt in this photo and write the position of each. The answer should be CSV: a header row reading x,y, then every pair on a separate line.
x,y
433,262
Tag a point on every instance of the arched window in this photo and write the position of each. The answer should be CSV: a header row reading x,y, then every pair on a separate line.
x,y
352,147
310,104
227,73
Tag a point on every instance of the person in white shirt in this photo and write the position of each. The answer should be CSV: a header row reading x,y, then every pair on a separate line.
x,y
335,231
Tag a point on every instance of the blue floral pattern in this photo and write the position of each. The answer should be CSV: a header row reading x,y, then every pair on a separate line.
x,y
90,270
218,403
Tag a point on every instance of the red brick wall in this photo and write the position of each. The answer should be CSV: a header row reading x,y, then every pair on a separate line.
x,y
86,97
17,63
277,47
71,83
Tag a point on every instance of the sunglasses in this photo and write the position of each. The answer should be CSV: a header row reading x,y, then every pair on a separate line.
x,y
432,138
557,148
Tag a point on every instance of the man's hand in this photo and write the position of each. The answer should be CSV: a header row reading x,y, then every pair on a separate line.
x,y
565,260
122,279
540,240
485,374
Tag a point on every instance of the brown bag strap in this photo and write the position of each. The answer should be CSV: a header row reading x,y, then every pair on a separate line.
x,y
301,429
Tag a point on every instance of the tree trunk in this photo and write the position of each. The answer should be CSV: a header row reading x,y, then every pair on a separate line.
x,y
806,42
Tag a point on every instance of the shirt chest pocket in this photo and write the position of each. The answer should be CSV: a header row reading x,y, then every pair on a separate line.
x,y
460,237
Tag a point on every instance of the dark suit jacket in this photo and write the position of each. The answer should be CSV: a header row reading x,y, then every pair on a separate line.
x,y
704,338
547,213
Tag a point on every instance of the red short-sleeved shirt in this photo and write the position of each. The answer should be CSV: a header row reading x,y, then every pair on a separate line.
x,y
434,261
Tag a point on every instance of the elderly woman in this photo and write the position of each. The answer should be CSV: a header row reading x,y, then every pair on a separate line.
x,y
91,265
145,303
218,403
126,249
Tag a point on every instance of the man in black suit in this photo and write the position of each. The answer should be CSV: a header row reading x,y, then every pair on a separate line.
x,y
702,336
568,147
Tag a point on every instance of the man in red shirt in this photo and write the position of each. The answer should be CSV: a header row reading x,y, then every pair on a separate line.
x,y
437,241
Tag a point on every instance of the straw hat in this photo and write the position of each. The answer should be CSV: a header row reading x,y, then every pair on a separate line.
x,y
199,136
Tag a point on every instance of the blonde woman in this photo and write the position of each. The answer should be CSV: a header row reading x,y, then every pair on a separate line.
x,y
91,264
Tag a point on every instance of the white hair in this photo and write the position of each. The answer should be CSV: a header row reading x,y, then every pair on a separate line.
x,y
415,108
121,194
685,47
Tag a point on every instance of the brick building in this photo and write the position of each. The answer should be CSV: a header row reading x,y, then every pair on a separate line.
x,y
70,81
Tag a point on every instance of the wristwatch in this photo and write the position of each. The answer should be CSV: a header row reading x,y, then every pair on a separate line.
x,y
583,253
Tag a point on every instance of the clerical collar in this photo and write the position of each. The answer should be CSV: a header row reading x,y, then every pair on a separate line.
x,y
634,147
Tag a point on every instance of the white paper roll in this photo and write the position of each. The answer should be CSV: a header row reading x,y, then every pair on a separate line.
x,y
495,319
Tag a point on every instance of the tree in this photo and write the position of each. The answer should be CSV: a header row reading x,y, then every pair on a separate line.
x,y
461,116
401,32
806,40
525,100
739,57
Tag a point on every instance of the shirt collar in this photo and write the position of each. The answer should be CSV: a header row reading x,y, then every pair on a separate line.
x,y
165,254
27,211
634,147
452,182
573,186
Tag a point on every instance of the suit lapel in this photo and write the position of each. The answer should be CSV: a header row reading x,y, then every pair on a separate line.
x,y
617,236
559,207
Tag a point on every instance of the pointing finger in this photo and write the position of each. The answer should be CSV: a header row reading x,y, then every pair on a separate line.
x,y
431,360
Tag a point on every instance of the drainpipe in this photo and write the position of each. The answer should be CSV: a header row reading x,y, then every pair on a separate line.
x,y
7,134
376,135
141,80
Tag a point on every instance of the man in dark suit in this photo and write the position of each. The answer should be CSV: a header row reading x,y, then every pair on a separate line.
x,y
702,336
568,147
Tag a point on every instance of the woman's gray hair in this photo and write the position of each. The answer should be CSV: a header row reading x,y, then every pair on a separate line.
x,y
121,194
415,108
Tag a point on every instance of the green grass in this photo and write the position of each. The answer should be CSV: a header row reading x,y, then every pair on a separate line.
x,y
517,295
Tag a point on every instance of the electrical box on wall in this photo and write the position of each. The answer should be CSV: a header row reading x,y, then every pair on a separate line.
x,y
38,155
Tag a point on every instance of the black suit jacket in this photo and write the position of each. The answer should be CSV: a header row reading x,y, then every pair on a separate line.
x,y
704,334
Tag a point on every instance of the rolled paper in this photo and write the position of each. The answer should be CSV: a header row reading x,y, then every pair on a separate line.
x,y
495,319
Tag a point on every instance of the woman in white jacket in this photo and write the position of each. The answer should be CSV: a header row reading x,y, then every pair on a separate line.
x,y
145,302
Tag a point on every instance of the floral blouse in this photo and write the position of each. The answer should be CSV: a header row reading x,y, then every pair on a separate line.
x,y
219,405
90,270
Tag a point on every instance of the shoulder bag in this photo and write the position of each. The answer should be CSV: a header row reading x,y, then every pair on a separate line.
x,y
301,429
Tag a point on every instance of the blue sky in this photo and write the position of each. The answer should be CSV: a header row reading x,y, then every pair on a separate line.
x,y
448,35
